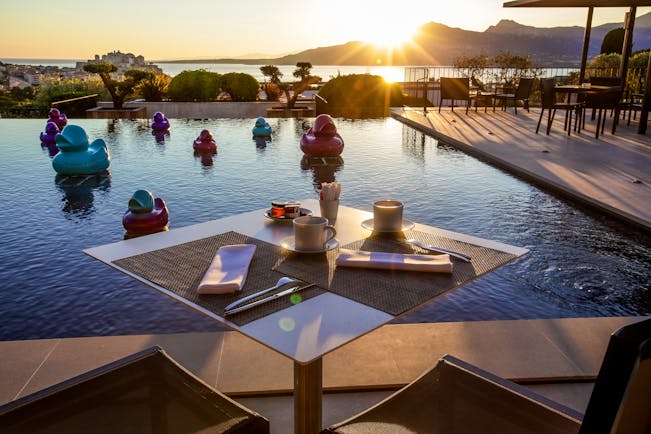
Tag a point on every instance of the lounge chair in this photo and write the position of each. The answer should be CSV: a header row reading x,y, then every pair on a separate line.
x,y
456,397
522,93
147,392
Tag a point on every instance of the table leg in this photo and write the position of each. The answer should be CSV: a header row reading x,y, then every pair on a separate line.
x,y
308,397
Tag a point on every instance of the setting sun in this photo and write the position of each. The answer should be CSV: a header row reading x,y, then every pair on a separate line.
x,y
389,37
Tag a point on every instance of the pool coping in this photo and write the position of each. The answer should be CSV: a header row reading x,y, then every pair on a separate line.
x,y
482,150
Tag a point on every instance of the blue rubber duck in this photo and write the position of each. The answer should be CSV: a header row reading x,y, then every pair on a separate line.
x,y
261,128
77,156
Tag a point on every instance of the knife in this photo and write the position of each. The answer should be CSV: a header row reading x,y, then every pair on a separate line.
x,y
288,291
281,282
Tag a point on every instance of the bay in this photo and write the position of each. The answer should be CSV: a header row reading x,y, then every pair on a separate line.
x,y
326,72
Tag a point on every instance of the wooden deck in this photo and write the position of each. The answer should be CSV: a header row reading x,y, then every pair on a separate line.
x,y
612,173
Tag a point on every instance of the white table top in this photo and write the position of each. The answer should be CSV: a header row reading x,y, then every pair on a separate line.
x,y
303,332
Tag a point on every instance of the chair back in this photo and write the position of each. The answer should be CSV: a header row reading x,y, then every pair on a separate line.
x,y
547,93
621,399
145,392
607,99
478,84
455,88
524,88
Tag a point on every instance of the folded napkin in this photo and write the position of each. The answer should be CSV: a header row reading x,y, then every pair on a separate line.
x,y
394,261
227,272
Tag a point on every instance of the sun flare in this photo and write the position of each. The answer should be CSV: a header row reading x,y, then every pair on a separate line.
x,y
390,37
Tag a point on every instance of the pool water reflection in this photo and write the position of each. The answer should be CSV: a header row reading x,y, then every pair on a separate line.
x,y
580,263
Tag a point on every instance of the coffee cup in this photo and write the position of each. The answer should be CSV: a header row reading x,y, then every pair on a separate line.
x,y
387,215
310,233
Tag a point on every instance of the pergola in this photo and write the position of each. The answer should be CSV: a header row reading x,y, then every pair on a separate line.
x,y
629,24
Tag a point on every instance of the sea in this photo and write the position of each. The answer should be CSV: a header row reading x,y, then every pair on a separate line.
x,y
326,72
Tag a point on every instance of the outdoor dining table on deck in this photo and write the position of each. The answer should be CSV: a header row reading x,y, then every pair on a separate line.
x,y
577,89
345,304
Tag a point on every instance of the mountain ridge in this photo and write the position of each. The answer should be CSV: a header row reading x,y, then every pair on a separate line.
x,y
438,44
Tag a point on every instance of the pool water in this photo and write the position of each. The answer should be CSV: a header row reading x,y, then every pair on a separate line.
x,y
580,263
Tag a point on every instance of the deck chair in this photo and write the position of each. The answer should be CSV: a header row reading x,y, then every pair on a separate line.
x,y
456,397
549,103
455,89
522,93
147,392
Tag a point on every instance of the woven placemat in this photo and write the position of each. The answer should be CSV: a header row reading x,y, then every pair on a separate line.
x,y
180,268
393,292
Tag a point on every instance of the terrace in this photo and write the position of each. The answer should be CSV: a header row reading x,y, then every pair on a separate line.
x,y
558,358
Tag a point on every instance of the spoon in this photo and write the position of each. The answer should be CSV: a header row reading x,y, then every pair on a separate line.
x,y
282,281
439,249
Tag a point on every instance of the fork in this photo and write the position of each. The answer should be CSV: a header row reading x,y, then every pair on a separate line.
x,y
422,245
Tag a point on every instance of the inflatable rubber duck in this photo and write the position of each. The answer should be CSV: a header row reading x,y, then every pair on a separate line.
x,y
322,140
261,128
77,156
145,215
51,130
160,123
58,118
205,142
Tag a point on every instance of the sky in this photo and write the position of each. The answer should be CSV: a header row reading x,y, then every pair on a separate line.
x,y
191,29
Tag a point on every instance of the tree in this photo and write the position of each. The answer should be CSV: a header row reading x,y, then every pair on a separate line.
x,y
471,66
512,67
291,90
613,42
119,90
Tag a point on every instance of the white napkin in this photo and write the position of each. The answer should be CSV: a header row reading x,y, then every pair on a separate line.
x,y
394,261
227,272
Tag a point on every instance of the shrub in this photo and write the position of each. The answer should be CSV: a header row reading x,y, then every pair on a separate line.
x,y
360,96
55,89
199,85
240,86
154,88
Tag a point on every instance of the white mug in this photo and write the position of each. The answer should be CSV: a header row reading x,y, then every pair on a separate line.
x,y
310,233
387,215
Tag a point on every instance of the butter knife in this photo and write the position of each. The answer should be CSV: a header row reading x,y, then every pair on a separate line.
x,y
287,291
281,282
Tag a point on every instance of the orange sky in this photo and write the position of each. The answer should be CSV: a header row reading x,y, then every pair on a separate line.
x,y
166,29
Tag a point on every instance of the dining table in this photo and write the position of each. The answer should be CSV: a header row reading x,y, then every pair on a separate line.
x,y
342,303
580,89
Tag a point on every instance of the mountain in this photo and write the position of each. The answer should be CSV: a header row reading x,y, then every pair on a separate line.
x,y
438,44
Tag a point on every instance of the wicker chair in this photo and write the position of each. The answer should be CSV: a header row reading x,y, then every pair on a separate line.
x,y
455,89
522,93
456,397
147,392
549,103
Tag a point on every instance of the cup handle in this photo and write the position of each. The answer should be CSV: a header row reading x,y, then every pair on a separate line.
x,y
334,232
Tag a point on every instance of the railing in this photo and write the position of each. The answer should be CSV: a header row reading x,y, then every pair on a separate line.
x,y
76,107
424,81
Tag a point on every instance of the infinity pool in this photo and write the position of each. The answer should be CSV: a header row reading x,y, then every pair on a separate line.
x,y
580,264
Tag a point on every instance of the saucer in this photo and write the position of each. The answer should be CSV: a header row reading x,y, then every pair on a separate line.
x,y
290,244
303,212
406,225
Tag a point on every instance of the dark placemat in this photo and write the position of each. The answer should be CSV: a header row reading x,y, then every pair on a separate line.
x,y
180,268
393,292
